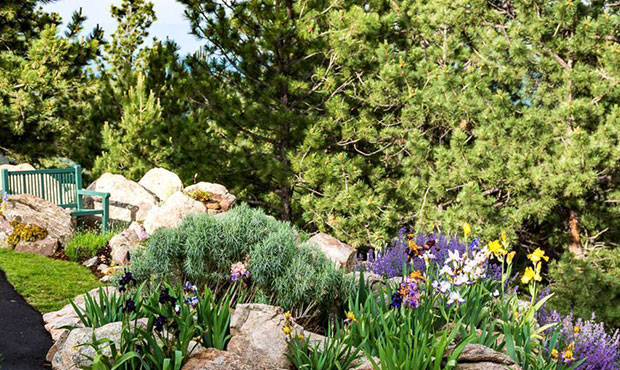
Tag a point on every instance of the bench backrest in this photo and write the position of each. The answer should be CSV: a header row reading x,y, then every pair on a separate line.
x,y
58,186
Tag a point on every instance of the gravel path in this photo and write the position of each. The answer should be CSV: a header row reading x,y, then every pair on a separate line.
x,y
24,342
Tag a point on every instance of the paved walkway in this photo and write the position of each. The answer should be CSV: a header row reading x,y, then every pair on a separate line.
x,y
24,342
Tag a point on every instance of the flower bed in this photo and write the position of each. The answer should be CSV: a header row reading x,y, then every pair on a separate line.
x,y
450,295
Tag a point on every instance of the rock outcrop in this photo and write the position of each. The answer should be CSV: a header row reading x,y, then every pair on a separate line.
x,y
161,182
70,354
220,200
336,251
17,167
29,210
479,357
122,244
215,359
170,214
66,316
129,201
257,336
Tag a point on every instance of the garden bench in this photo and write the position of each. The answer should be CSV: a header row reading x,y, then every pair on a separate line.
x,y
61,186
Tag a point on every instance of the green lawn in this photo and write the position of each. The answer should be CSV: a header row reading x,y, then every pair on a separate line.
x,y
47,284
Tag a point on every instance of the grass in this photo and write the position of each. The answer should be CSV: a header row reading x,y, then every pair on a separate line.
x,y
46,284
86,244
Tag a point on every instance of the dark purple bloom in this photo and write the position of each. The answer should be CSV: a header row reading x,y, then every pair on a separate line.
x,y
126,280
397,300
130,306
159,322
165,297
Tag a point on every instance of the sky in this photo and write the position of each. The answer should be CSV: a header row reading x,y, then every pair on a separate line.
x,y
170,23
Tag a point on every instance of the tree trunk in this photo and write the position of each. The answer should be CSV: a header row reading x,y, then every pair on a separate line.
x,y
575,246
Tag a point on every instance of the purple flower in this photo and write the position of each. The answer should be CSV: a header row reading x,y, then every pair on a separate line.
x,y
389,262
591,341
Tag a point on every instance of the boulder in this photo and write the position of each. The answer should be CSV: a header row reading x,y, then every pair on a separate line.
x,y
71,355
222,200
479,357
129,201
161,182
215,359
170,214
5,230
91,261
30,210
257,336
44,247
17,167
374,281
122,244
336,251
54,321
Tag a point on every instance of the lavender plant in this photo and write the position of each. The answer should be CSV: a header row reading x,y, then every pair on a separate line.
x,y
580,339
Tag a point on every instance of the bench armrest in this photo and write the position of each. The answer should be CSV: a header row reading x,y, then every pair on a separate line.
x,y
93,193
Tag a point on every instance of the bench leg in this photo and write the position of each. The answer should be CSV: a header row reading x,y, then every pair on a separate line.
x,y
105,205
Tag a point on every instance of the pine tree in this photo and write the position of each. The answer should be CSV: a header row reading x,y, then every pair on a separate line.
x,y
258,78
44,88
130,148
502,114
170,134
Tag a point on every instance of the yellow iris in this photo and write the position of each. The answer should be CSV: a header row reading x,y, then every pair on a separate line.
x,y
351,316
555,354
568,353
416,275
538,255
530,275
287,315
287,330
496,248
510,256
504,236
466,229
576,329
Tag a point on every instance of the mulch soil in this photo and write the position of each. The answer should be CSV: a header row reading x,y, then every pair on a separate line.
x,y
24,342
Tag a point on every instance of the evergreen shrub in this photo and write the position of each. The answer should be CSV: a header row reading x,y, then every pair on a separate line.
x,y
588,285
283,270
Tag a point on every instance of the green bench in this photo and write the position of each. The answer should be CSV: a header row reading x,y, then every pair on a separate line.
x,y
62,186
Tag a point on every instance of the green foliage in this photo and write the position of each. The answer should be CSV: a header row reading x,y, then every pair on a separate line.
x,y
178,318
44,87
46,284
86,244
106,307
588,285
257,78
203,248
504,116
333,354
